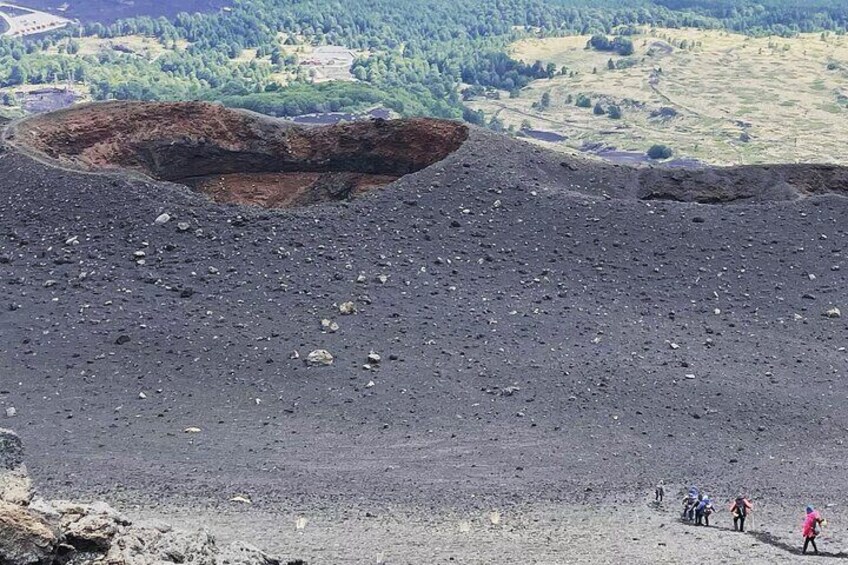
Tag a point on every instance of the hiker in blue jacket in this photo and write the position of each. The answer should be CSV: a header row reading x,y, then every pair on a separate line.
x,y
703,511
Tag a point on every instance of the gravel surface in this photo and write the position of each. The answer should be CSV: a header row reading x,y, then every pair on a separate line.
x,y
550,344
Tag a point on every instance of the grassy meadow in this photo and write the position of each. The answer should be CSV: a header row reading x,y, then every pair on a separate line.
x,y
719,97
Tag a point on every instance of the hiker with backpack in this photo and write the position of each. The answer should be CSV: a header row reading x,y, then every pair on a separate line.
x,y
703,511
739,508
812,528
690,503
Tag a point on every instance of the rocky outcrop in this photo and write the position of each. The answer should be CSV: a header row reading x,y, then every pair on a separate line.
x,y
26,537
89,527
34,531
161,544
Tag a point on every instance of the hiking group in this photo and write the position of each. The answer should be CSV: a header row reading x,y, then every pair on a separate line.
x,y
698,507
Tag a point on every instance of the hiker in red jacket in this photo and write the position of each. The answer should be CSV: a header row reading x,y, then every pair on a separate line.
x,y
739,508
812,528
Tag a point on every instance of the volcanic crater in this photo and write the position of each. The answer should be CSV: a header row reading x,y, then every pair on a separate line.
x,y
239,157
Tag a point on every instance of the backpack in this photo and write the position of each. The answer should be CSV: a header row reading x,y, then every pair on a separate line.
x,y
741,508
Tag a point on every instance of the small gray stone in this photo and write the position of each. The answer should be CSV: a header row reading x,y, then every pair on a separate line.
x,y
329,326
347,308
319,357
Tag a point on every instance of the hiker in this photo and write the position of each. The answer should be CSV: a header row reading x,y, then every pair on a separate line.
x,y
740,508
709,509
659,493
812,528
689,504
703,510
697,510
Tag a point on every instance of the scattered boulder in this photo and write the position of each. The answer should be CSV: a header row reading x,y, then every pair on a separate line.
x,y
162,219
374,358
833,313
26,538
329,326
319,357
347,308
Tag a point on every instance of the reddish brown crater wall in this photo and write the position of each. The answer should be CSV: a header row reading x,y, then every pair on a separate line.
x,y
239,157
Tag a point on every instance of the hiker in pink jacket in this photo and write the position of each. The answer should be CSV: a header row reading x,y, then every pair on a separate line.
x,y
812,528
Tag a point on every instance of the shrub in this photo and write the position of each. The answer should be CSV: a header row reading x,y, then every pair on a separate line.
x,y
660,152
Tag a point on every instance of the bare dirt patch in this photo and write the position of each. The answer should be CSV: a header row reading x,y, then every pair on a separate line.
x,y
286,190
235,156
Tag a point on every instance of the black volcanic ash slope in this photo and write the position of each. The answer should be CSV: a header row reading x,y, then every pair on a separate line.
x,y
537,339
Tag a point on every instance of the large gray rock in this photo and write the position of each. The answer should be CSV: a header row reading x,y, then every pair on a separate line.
x,y
11,450
160,546
15,487
89,527
15,484
240,553
26,537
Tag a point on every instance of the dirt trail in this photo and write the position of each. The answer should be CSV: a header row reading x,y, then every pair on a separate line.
x,y
543,534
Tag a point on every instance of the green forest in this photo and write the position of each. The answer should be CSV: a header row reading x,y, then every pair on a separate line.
x,y
417,55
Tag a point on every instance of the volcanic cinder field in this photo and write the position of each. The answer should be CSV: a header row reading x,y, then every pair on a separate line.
x,y
554,336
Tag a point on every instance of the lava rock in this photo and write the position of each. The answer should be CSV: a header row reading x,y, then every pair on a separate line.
x,y
89,527
15,484
319,357
26,538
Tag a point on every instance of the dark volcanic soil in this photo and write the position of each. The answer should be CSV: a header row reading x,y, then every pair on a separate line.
x,y
545,334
